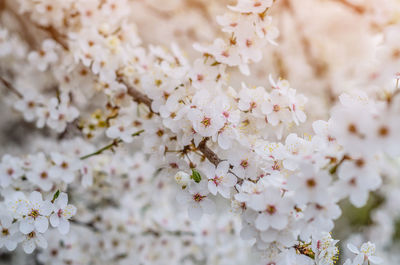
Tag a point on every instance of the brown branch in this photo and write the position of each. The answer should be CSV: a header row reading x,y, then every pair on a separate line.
x,y
10,87
208,153
139,97
23,24
59,38
356,8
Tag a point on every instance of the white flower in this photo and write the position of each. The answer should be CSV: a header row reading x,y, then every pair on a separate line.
x,y
325,249
35,212
28,105
64,167
46,56
9,233
356,179
310,185
196,199
10,169
39,172
206,122
32,240
219,179
273,209
61,113
366,253
62,213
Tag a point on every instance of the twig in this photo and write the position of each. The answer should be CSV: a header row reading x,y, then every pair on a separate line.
x,y
109,146
10,87
356,8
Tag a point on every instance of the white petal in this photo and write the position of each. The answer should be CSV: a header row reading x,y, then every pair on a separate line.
x,y
230,180
69,211
359,259
224,191
359,198
262,222
11,245
35,197
62,200
222,168
63,227
278,222
54,220
41,241
28,246
41,224
212,187
353,248
46,208
26,226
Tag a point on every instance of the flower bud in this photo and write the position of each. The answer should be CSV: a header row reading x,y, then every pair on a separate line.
x,y
182,178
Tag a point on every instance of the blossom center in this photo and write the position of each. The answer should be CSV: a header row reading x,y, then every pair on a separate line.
x,y
253,105
5,232
64,165
271,209
383,131
34,213
217,180
59,213
244,163
43,175
198,197
352,128
206,121
10,171
311,183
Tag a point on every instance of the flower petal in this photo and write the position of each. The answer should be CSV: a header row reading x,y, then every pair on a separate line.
x,y
41,224
26,226
63,227
28,246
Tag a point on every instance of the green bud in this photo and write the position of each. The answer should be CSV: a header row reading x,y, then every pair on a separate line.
x,y
195,176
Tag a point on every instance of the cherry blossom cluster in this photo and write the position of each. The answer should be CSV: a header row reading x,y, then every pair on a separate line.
x,y
25,219
249,28
175,160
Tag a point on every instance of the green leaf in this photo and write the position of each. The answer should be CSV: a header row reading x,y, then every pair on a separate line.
x,y
195,176
55,196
